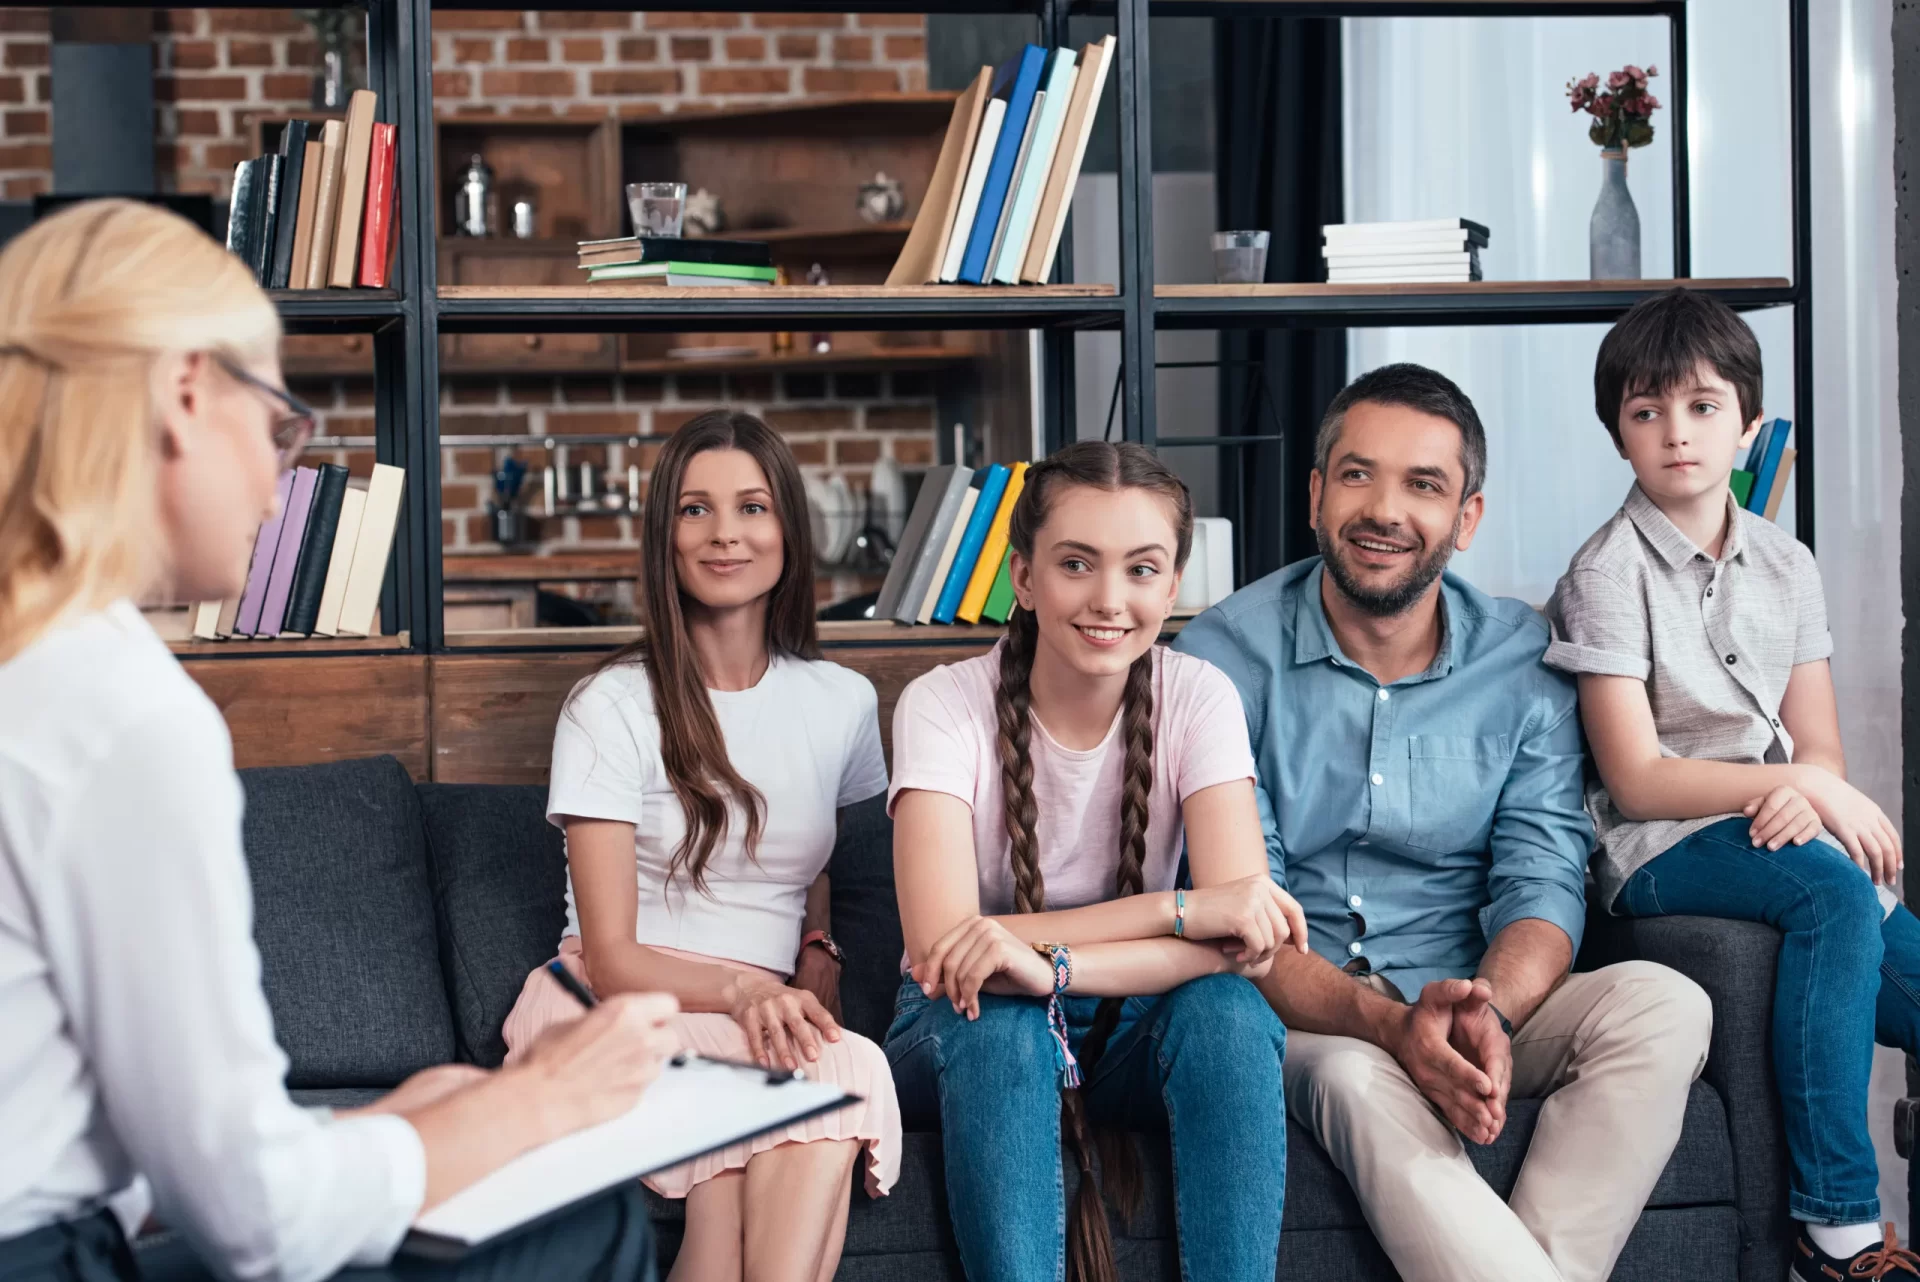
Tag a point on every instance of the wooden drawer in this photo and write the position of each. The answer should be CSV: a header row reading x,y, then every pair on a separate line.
x,y
521,263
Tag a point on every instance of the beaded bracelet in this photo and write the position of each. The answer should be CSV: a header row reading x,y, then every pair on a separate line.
x,y
1060,957
1179,912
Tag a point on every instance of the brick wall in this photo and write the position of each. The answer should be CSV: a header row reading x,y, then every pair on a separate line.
x,y
216,70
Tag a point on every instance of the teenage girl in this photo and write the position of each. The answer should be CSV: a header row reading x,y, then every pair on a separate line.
x,y
1058,980
698,775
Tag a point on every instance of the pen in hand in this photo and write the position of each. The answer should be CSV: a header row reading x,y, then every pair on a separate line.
x,y
584,995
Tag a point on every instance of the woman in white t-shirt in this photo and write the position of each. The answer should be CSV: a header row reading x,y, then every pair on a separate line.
x,y
705,767
1039,797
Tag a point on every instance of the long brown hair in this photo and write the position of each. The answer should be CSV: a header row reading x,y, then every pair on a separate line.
x,y
691,746
1102,466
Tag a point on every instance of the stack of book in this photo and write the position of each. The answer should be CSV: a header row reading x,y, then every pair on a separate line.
x,y
952,560
672,260
998,198
1760,483
1438,250
319,564
319,212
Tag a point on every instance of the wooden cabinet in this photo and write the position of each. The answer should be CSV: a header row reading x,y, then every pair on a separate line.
x,y
519,262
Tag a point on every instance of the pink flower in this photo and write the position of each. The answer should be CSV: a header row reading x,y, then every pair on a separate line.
x,y
1617,79
1592,81
1652,70
1602,105
1634,73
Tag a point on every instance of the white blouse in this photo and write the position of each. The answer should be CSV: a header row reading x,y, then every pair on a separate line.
x,y
137,1038
807,736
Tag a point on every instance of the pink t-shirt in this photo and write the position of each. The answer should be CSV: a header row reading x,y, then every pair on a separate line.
x,y
945,737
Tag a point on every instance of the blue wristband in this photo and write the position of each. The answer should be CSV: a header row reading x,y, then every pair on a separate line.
x,y
1179,912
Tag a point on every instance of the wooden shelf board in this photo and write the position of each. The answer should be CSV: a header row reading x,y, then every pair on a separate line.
x,y
605,308
796,362
842,633
1526,302
247,647
566,567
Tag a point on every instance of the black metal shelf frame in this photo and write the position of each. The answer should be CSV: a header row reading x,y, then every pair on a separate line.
x,y
406,321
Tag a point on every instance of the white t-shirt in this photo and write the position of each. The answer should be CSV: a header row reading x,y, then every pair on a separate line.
x,y
807,736
134,1036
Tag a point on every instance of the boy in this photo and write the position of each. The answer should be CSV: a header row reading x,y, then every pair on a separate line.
x,y
1699,636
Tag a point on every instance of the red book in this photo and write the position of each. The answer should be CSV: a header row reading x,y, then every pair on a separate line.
x,y
377,230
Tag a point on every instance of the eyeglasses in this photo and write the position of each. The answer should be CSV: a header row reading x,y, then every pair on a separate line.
x,y
292,425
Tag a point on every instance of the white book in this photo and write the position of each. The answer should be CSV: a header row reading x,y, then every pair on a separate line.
x,y
695,1107
206,620
1428,244
996,115
1401,228
947,554
1352,277
1090,80
1032,179
362,604
353,507
1459,258
1024,155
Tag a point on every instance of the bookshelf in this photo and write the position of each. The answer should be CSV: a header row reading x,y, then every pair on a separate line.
x,y
404,326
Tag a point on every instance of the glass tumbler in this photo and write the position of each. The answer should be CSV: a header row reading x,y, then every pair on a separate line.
x,y
657,208
1239,257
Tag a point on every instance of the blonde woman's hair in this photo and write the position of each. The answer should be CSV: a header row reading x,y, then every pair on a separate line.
x,y
90,300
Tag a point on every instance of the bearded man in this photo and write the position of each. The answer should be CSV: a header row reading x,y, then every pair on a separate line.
x,y
1420,790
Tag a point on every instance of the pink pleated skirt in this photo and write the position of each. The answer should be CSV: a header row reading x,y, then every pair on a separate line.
x,y
853,1063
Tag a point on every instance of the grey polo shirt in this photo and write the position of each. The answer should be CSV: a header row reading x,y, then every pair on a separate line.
x,y
1715,642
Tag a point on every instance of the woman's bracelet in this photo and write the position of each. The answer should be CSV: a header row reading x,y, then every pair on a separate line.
x,y
1060,957
1179,913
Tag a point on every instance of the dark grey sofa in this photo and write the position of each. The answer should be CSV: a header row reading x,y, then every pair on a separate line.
x,y
397,922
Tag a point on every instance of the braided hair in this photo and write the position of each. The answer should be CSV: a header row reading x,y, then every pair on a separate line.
x,y
1110,467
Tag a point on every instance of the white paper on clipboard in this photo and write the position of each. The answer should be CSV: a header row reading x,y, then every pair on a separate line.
x,y
694,1108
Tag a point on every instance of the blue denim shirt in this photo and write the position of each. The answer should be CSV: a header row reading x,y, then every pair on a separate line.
x,y
1414,821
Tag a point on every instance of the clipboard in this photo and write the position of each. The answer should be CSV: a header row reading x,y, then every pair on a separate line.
x,y
696,1107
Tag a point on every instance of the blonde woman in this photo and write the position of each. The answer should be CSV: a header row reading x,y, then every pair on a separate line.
x,y
143,426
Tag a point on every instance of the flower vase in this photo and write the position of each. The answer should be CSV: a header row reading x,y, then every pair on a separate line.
x,y
1613,236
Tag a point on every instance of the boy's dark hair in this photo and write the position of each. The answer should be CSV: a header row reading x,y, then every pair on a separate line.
x,y
1658,345
1413,387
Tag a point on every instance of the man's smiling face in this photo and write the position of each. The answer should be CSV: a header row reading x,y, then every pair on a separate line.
x,y
1389,511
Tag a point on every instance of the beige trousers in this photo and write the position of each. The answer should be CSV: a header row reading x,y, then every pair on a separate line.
x,y
1614,1053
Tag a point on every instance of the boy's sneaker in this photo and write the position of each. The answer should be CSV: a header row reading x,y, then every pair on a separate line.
x,y
1888,1259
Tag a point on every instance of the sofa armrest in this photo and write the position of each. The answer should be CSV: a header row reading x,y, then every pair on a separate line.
x,y
1734,962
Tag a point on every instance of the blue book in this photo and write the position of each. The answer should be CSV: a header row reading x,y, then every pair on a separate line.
x,y
1006,154
1774,437
971,542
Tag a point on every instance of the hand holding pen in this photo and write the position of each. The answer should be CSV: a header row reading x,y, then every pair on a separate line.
x,y
680,1059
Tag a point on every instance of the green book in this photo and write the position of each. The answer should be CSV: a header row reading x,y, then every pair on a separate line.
x,y
1000,599
1742,483
723,272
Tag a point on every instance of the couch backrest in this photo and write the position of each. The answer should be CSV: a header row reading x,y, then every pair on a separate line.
x,y
499,898
343,917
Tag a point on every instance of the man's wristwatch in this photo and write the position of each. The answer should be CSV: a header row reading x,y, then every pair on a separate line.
x,y
825,941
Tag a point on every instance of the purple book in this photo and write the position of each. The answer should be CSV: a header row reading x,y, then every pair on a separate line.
x,y
247,622
286,557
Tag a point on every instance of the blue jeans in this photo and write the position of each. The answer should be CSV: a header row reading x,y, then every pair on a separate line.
x,y
1202,1062
1846,979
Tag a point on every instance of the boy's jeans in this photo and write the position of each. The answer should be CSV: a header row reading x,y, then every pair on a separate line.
x,y
1846,979
1202,1061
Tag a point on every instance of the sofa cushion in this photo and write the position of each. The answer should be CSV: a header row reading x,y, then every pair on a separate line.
x,y
499,895
866,918
343,917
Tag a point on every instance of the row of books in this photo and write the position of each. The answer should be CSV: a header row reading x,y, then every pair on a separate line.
x,y
952,559
1434,250
674,260
1760,482
319,564
319,212
998,199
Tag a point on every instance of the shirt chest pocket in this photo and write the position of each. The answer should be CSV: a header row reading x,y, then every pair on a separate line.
x,y
1454,782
